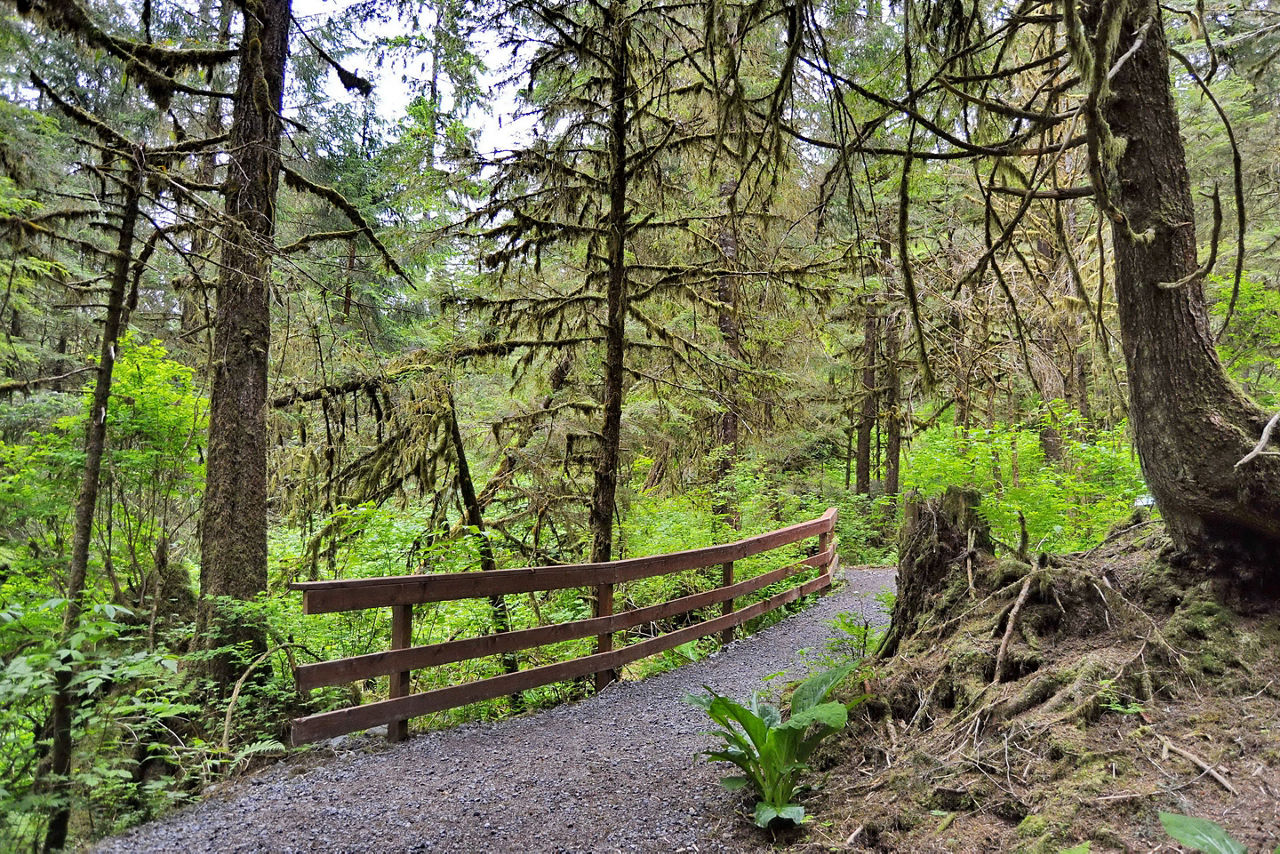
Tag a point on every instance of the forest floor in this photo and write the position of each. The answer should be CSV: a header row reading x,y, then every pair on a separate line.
x,y
615,772
1059,705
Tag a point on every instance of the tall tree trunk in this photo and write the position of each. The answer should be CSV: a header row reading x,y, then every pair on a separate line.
x,y
892,405
95,442
1191,423
606,475
234,528
862,474
730,334
500,615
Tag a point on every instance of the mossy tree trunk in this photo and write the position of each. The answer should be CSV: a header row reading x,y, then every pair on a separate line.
x,y
731,335
1191,423
62,742
234,528
605,489
869,405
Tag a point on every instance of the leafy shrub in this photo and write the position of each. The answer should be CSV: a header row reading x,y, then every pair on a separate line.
x,y
771,753
134,716
128,698
858,636
1069,503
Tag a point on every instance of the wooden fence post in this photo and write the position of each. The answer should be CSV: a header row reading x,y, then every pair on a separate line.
x,y
726,608
826,540
401,638
604,642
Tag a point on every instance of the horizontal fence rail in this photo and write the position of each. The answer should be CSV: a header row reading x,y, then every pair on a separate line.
x,y
401,593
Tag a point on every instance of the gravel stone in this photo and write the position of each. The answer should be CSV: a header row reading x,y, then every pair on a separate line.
x,y
613,773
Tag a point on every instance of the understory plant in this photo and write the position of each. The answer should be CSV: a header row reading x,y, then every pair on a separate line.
x,y
771,753
1200,834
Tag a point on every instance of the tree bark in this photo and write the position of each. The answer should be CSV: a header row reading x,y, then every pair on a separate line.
x,y
1190,421
893,407
234,527
606,475
499,614
730,334
862,474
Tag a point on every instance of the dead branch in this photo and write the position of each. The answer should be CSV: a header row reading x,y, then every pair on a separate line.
x,y
1197,761
339,201
1262,443
23,385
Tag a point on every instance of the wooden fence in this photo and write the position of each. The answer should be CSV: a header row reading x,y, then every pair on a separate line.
x,y
401,593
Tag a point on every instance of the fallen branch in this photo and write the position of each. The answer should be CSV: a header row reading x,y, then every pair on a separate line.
x,y
23,385
1197,761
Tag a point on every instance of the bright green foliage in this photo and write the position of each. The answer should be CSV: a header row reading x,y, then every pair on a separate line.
x,y
1200,834
772,753
1250,349
130,700
125,692
153,466
1069,503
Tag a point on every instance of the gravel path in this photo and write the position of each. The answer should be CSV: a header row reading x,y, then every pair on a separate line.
x,y
615,772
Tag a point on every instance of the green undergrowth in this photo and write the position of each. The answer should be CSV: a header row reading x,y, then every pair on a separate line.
x,y
1071,481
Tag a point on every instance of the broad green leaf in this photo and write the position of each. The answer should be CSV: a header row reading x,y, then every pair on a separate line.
x,y
735,758
814,690
1200,834
765,813
755,728
769,714
834,715
793,813
702,701
733,784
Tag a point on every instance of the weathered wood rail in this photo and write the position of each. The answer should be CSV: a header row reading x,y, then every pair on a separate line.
x,y
401,593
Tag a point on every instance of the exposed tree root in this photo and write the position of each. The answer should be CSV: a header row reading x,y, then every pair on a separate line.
x,y
1009,626
1014,712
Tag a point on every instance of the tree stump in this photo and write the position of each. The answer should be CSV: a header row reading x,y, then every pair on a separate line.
x,y
934,539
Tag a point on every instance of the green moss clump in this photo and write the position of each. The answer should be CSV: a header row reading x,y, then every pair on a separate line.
x,y
1032,826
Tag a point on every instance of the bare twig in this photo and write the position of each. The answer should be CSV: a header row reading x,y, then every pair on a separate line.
x,y
235,692
1139,38
1237,174
1262,443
